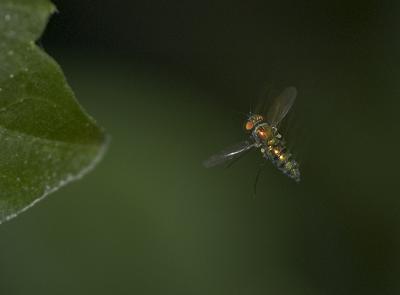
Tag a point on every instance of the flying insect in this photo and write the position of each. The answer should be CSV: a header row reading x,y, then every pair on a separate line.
x,y
265,136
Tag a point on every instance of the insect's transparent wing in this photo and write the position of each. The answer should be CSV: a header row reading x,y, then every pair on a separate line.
x,y
260,104
228,154
281,105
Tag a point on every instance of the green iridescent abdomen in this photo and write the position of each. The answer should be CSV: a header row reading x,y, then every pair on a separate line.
x,y
274,149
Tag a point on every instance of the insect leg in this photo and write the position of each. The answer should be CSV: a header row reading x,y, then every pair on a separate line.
x,y
257,178
235,160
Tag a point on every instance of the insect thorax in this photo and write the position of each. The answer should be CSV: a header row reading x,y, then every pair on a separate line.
x,y
263,132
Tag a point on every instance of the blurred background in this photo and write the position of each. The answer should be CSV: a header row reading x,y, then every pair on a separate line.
x,y
169,81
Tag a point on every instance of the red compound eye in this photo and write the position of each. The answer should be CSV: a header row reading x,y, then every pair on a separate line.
x,y
249,125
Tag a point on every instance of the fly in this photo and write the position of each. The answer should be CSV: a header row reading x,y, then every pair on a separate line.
x,y
264,135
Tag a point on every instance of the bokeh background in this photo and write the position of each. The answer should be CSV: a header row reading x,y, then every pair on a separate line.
x,y
169,81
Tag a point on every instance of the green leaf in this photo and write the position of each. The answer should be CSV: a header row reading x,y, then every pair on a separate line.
x,y
46,138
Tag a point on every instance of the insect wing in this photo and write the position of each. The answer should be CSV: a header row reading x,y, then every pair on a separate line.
x,y
281,105
228,154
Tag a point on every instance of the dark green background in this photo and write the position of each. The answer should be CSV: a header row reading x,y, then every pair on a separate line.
x,y
167,80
